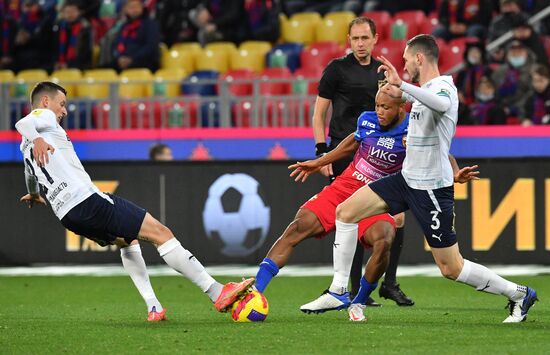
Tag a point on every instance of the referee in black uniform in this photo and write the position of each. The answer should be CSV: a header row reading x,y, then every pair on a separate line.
x,y
350,83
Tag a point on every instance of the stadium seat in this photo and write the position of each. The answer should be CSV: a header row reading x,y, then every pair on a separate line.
x,y
132,83
168,89
239,89
248,59
430,23
68,78
193,47
340,16
94,90
7,76
178,59
393,51
270,87
290,52
298,31
312,17
180,113
134,114
331,30
306,80
191,86
26,79
382,20
319,54
450,56
216,60
413,19
227,47
257,46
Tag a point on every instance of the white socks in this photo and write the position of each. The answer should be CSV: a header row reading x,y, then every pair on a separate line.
x,y
485,280
133,263
344,246
181,260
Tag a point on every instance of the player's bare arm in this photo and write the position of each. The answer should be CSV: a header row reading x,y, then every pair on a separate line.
x,y
319,128
302,170
465,174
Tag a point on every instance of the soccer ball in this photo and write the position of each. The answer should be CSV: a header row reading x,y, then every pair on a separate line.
x,y
235,215
252,308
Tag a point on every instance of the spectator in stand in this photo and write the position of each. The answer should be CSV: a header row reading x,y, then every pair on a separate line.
x,y
74,38
34,39
160,152
458,18
509,12
137,43
487,110
525,33
468,78
7,38
173,18
263,20
537,106
219,20
513,79
291,7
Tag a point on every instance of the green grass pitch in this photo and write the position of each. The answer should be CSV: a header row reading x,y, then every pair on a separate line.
x,y
105,315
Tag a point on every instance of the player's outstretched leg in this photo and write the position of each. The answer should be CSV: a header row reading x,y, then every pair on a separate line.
x,y
305,225
133,263
380,235
181,260
454,267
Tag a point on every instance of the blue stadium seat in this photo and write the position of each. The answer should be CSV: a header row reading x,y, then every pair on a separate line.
x,y
291,51
190,86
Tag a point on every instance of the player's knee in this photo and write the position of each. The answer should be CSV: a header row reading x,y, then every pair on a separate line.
x,y
399,220
449,271
344,214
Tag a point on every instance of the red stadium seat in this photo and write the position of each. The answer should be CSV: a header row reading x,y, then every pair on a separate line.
x,y
320,54
268,87
312,74
450,56
382,20
393,51
239,89
413,19
430,23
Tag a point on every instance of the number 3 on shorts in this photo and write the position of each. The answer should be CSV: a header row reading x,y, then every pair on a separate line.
x,y
436,224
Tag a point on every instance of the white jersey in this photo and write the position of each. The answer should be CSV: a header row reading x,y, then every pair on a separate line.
x,y
426,164
63,179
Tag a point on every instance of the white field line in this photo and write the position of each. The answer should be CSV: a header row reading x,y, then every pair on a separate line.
x,y
247,270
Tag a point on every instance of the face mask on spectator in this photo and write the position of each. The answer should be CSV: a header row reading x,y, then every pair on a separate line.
x,y
484,97
517,62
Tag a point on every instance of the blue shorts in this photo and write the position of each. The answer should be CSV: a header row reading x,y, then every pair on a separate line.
x,y
433,209
98,219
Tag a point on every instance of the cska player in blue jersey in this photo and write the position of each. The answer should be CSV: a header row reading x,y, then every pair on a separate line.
x,y
380,151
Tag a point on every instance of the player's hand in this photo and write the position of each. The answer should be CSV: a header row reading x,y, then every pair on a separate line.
x,y
40,151
30,200
389,71
326,170
302,170
392,91
466,174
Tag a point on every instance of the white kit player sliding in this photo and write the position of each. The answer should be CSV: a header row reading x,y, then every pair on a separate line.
x,y
425,184
51,165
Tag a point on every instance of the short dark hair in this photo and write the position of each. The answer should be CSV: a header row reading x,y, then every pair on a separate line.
x,y
425,44
45,88
541,70
156,149
361,20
